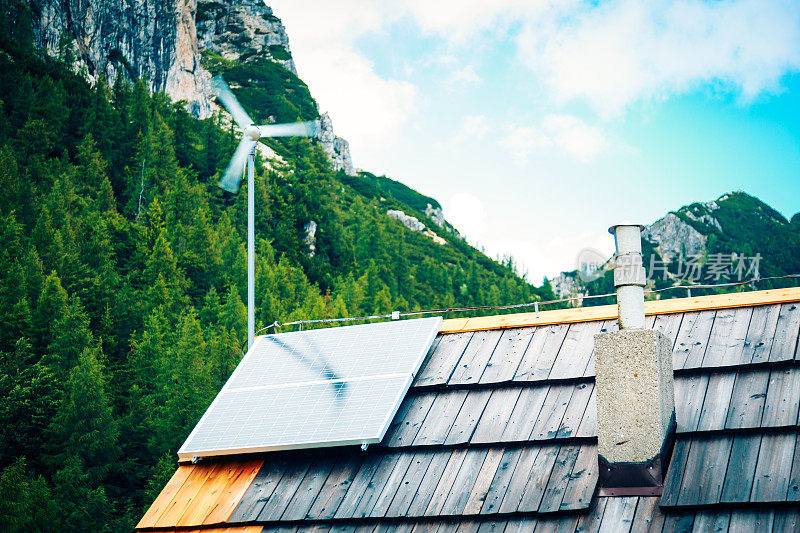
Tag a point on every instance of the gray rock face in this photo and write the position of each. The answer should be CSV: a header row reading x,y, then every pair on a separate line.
x,y
436,214
246,27
149,39
311,237
338,149
161,42
414,224
673,236
408,221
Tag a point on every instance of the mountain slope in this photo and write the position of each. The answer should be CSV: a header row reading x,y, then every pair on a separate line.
x,y
735,238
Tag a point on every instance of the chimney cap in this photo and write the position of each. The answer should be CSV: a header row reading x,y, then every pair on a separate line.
x,y
613,229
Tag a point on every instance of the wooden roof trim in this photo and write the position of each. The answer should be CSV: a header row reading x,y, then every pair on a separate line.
x,y
606,312
220,488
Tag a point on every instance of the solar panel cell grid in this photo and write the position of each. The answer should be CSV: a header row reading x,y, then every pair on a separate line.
x,y
324,387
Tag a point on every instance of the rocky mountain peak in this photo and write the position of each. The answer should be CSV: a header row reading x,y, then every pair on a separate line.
x,y
163,41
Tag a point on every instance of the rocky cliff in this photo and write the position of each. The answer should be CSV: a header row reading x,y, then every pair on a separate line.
x,y
163,42
148,39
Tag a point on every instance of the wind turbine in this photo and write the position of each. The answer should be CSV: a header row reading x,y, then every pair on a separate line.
x,y
245,156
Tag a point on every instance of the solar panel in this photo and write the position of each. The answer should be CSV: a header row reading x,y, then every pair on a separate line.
x,y
323,387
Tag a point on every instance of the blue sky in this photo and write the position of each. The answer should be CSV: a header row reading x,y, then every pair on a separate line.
x,y
539,123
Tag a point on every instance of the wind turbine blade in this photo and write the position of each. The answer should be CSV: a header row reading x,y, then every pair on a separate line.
x,y
230,102
294,129
230,181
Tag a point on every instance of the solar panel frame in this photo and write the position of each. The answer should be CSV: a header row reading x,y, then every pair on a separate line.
x,y
190,450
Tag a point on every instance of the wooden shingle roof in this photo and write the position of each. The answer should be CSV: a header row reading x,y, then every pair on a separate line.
x,y
498,433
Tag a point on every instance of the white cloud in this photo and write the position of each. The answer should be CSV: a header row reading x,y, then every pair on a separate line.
x,y
623,51
548,253
467,213
366,108
615,53
466,75
567,135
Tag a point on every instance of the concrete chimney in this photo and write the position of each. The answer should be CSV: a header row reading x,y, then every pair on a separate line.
x,y
634,385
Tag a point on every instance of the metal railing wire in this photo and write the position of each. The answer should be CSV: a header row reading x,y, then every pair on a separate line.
x,y
535,304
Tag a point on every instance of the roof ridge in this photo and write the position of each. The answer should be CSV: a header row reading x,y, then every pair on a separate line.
x,y
606,312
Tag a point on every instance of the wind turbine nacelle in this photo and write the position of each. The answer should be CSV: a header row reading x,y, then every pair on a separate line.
x,y
253,132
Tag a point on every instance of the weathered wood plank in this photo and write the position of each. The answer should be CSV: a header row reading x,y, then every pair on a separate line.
x,y
582,480
690,391
607,326
669,325
541,353
335,488
259,491
483,481
362,481
786,520
555,405
520,478
704,474
647,515
706,522
692,339
443,360
207,496
573,356
588,426
233,492
406,429
575,409
284,491
523,417
429,482
522,525
440,418
407,489
446,482
184,496
538,478
774,467
760,334
783,398
431,351
507,355
747,399
784,346
717,400
678,522
590,522
475,357
460,490
492,526
728,334
468,416
793,492
161,502
674,477
391,485
502,478
559,478
373,489
751,520
741,469
307,491
494,418
618,516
